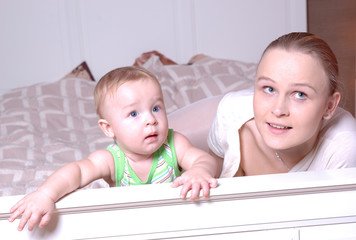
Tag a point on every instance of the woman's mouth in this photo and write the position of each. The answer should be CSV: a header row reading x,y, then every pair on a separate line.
x,y
278,126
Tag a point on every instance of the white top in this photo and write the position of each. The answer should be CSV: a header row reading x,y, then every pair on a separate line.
x,y
335,149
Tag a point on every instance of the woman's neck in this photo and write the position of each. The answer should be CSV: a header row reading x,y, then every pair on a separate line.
x,y
292,156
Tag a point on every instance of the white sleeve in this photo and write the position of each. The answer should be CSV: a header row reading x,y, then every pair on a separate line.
x,y
215,134
341,140
342,151
234,110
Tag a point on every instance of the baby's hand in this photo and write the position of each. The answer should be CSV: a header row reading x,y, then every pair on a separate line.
x,y
195,180
35,208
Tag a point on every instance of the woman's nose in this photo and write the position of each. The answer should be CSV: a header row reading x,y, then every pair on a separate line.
x,y
280,107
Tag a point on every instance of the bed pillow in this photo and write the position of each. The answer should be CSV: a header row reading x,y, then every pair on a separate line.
x,y
81,71
184,84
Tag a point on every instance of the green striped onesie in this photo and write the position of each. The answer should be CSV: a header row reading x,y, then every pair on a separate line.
x,y
164,165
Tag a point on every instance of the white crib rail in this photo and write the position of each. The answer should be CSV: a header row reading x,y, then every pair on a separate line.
x,y
280,206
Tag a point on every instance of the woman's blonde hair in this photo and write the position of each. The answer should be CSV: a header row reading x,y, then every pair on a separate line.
x,y
111,81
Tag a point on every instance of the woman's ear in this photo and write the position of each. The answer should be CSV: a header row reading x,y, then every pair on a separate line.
x,y
106,128
333,101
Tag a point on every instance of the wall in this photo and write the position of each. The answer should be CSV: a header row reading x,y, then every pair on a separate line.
x,y
42,40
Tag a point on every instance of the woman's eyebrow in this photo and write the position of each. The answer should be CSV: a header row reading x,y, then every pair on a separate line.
x,y
305,85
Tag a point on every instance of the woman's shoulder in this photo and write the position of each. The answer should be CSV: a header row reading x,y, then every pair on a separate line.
x,y
235,109
339,135
236,96
336,146
239,102
341,122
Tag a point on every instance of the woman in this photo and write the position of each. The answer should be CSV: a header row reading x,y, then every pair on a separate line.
x,y
290,121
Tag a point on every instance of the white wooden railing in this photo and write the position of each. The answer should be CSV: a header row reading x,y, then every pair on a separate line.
x,y
309,205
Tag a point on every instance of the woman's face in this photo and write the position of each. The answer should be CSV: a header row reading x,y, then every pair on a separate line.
x,y
291,97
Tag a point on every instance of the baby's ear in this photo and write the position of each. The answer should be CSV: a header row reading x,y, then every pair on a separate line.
x,y
106,128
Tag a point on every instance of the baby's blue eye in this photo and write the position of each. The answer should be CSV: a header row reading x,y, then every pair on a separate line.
x,y
133,114
156,109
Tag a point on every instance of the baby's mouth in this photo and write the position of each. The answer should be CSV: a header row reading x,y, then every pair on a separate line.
x,y
153,135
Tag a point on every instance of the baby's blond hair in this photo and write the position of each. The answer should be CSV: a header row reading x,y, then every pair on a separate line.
x,y
111,81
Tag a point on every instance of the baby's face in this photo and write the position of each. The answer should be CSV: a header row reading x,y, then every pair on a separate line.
x,y
137,116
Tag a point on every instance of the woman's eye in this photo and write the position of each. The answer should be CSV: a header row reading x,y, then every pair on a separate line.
x,y
300,95
133,114
156,109
268,89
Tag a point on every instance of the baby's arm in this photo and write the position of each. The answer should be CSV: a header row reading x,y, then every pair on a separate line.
x,y
201,169
38,207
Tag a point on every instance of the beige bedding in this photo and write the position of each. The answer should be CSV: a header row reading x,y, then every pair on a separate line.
x,y
44,126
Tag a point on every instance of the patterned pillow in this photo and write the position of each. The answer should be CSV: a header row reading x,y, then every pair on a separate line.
x,y
81,71
185,84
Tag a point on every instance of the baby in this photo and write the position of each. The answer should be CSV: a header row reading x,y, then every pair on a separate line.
x,y
130,105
